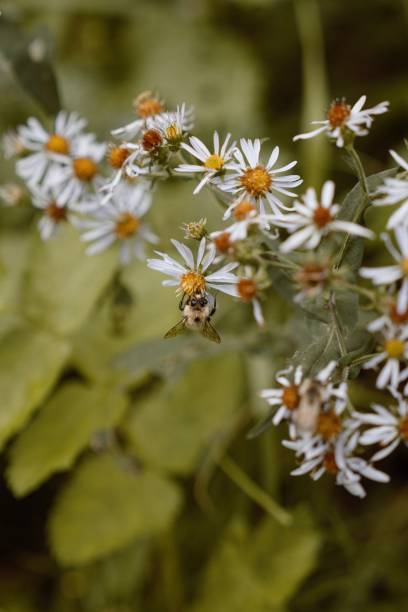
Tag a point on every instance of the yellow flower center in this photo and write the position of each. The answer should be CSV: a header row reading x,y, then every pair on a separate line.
x,y
117,156
56,213
192,282
291,397
214,162
256,181
394,348
84,168
403,428
338,113
57,144
126,226
243,209
328,425
173,133
404,265
246,289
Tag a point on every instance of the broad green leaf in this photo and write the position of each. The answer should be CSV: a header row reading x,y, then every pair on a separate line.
x,y
63,284
170,427
106,505
59,432
259,570
14,247
31,64
30,362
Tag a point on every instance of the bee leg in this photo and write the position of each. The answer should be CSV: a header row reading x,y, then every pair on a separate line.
x,y
181,304
214,308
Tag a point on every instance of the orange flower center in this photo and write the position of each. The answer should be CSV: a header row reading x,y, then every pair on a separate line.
x,y
117,156
246,289
151,140
291,397
57,144
321,216
329,463
243,210
56,213
397,317
85,168
192,282
126,226
214,162
328,425
403,428
147,106
394,348
338,113
256,181
404,265
222,242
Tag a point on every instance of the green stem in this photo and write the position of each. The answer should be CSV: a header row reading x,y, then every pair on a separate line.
x,y
250,488
338,333
355,158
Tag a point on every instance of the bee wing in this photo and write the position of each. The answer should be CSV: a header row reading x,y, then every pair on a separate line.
x,y
177,329
210,332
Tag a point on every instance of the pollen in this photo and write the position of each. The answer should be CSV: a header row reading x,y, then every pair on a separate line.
x,y
57,144
147,105
84,168
55,213
394,348
398,317
246,289
223,242
126,226
328,425
291,397
192,282
329,463
243,210
321,217
214,162
403,428
117,156
256,181
338,113
151,140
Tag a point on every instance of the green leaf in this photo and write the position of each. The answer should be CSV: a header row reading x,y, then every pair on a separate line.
x,y
31,64
169,428
260,570
63,284
30,362
106,505
14,247
60,431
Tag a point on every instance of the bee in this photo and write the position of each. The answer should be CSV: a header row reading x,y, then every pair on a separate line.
x,y
307,413
197,311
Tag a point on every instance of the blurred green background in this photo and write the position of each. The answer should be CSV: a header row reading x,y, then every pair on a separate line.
x,y
125,461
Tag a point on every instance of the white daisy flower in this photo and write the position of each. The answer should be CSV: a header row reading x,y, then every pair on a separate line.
x,y
192,276
248,291
343,119
213,164
46,149
121,158
336,458
174,126
147,106
250,179
119,221
387,427
286,398
11,144
11,194
54,211
246,216
314,218
395,191
395,351
78,173
386,275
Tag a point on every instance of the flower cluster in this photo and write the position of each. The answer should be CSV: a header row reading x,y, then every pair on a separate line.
x,y
269,238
